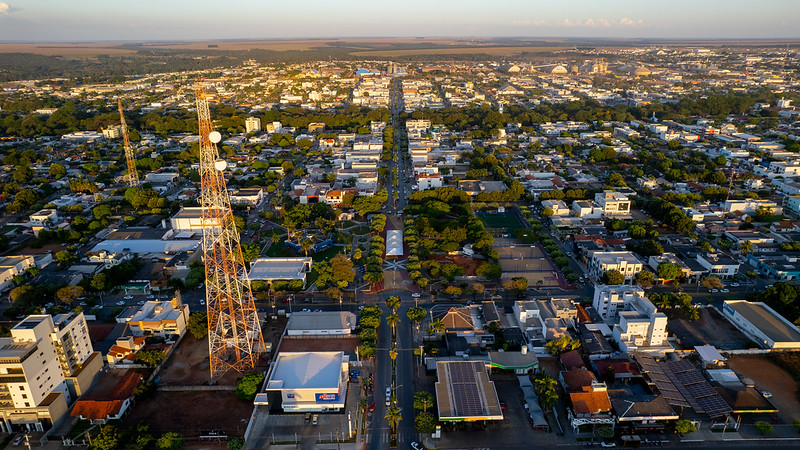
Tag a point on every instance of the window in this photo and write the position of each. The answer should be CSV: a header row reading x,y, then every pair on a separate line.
x,y
27,405
24,395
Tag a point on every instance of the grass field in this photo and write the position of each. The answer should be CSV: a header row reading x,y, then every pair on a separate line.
x,y
77,51
504,220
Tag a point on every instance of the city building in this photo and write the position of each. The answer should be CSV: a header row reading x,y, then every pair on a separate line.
x,y
189,219
613,203
760,322
719,265
464,392
252,124
110,399
626,263
43,365
11,266
310,381
166,319
280,269
321,323
638,325
247,196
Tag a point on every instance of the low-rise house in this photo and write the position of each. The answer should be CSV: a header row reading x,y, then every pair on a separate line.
x,y
110,399
719,265
280,269
164,319
784,267
613,203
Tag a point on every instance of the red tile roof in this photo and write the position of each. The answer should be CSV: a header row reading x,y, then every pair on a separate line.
x,y
102,403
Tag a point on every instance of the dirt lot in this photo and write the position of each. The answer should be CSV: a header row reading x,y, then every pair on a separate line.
x,y
710,329
770,377
189,365
347,344
188,412
469,264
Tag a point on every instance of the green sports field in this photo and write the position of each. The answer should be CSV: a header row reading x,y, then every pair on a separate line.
x,y
506,221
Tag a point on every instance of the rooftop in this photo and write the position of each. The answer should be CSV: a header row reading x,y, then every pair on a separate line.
x,y
464,392
766,320
307,370
324,320
279,268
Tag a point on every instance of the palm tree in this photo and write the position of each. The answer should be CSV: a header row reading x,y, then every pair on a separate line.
x,y
305,246
392,320
393,354
548,399
393,416
545,383
745,247
437,326
393,302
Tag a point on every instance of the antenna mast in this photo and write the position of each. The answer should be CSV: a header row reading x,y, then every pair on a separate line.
x,y
234,332
133,175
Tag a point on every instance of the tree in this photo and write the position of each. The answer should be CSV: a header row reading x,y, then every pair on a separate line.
x,y
668,271
150,358
198,324
392,320
248,386
21,294
763,427
100,212
236,443
170,441
65,258
712,282
416,313
547,212
145,390
745,247
435,327
342,272
562,345
393,416
250,251
69,293
645,278
108,439
605,432
393,303
425,422
423,400
57,170
613,277
684,426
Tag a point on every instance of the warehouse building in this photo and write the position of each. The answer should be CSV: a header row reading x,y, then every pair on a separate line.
x,y
310,381
762,323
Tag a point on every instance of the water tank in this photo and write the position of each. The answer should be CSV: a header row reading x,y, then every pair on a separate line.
x,y
524,350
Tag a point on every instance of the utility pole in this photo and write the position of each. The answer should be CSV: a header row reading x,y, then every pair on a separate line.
x,y
234,332
133,176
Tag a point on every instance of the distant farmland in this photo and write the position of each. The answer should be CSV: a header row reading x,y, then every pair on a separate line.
x,y
501,51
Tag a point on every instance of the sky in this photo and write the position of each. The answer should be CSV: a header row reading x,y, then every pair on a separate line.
x,y
139,20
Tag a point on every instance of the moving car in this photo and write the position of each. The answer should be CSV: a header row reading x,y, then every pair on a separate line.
x,y
416,446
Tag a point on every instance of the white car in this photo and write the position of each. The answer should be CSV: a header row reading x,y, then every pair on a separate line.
x,y
416,446
128,297
724,290
120,303
734,284
415,295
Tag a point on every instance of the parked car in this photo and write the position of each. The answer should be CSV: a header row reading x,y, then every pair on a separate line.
x,y
415,295
128,297
724,290
18,440
766,394
503,407
307,418
416,446
120,303
734,284
315,419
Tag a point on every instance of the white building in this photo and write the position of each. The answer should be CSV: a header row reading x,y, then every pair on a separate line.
x,y
637,321
45,218
719,265
248,196
280,269
625,262
324,323
310,381
613,203
188,219
750,206
762,323
252,124
164,319
11,266
558,207
44,363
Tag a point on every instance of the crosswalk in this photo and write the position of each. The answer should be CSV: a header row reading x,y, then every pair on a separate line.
x,y
406,436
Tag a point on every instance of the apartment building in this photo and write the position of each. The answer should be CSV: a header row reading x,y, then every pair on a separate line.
x,y
613,203
45,363
252,124
637,322
625,262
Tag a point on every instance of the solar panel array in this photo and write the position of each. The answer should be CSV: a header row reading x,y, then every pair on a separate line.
x,y
467,397
694,387
663,383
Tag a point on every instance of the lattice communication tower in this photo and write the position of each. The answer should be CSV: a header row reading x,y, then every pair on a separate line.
x,y
133,175
234,333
